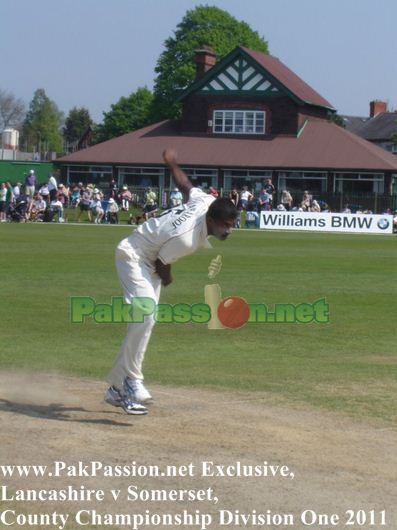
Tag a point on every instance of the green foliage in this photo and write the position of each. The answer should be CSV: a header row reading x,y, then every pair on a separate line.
x,y
42,124
204,25
337,119
76,124
128,114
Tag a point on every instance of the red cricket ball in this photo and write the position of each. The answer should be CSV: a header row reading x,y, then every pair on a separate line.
x,y
233,312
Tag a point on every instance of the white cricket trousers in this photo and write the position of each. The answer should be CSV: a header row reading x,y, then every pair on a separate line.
x,y
137,279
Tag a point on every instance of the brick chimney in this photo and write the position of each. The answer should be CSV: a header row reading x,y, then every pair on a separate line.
x,y
376,107
205,58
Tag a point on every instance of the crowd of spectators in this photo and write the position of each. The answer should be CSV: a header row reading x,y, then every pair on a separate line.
x,y
47,202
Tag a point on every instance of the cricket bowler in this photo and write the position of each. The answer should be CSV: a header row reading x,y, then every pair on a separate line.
x,y
143,262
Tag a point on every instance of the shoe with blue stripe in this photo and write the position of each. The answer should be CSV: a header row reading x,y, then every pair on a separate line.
x,y
114,397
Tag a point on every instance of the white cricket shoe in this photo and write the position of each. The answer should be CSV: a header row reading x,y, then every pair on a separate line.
x,y
114,397
137,390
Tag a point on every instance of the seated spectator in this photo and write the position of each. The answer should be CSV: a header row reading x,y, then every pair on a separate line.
x,y
75,197
252,216
346,209
112,212
315,207
56,208
176,198
36,208
307,200
150,205
286,199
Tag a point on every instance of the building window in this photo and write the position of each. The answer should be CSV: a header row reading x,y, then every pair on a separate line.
x,y
298,181
140,177
239,121
359,183
98,175
202,177
237,178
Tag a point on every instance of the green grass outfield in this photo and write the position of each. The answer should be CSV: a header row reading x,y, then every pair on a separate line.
x,y
346,365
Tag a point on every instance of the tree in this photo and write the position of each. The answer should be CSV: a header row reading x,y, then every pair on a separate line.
x,y
205,25
128,114
76,124
12,110
42,124
337,119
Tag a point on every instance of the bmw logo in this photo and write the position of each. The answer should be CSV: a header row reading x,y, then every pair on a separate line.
x,y
383,224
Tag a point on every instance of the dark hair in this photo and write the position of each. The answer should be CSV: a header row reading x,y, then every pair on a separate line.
x,y
222,209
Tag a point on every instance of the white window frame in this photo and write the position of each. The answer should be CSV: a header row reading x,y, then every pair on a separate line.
x,y
229,126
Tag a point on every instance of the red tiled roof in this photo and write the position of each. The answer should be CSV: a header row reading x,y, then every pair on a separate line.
x,y
320,145
288,78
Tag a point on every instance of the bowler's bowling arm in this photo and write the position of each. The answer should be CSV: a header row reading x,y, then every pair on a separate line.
x,y
180,177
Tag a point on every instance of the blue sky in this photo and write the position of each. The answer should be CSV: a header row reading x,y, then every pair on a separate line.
x,y
91,52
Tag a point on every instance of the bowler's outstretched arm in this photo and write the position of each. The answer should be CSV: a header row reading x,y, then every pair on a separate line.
x,y
179,175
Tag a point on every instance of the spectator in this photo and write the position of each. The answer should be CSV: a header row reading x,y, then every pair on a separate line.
x,y
61,195
75,196
36,208
269,188
214,192
315,207
307,200
235,198
346,209
150,205
52,187
286,200
30,185
125,198
252,216
17,190
176,198
10,195
112,212
3,202
113,189
265,200
56,208
85,203
97,208
45,193
245,197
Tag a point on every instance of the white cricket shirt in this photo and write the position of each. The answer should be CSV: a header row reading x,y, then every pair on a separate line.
x,y
176,233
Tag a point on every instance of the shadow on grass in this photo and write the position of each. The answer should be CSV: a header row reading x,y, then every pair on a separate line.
x,y
55,411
